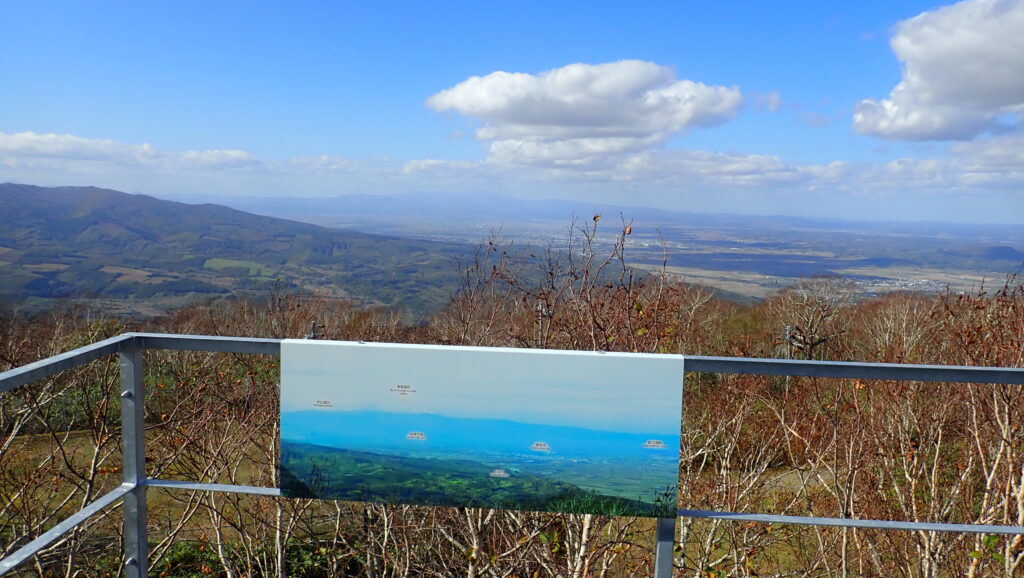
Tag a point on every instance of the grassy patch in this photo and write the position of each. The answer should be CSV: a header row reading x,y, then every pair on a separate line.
x,y
252,267
45,267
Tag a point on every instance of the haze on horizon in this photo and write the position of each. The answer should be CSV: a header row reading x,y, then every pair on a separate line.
x,y
893,111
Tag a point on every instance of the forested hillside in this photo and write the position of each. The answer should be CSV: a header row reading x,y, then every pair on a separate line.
x,y
800,446
75,242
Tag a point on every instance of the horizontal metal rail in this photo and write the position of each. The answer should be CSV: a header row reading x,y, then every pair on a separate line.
x,y
214,343
176,485
851,522
693,364
30,549
58,363
854,370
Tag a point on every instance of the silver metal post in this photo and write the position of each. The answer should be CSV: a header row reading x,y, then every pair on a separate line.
x,y
665,550
133,460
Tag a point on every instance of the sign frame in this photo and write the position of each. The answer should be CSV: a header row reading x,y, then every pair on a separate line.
x,y
523,429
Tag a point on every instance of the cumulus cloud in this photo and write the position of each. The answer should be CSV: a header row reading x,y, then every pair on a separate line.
x,y
28,148
49,159
996,162
990,167
581,114
30,145
674,172
962,72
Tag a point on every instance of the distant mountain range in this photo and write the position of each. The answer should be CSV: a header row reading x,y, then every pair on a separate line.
x,y
84,241
744,256
139,253
445,207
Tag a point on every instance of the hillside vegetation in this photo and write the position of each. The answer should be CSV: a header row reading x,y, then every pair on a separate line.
x,y
72,242
801,446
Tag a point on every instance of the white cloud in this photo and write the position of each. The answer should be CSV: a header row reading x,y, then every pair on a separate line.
x,y
29,148
582,114
678,173
1004,152
326,165
962,72
577,153
30,145
436,165
989,171
218,158
996,162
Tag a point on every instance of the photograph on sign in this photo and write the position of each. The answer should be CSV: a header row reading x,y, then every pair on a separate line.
x,y
516,429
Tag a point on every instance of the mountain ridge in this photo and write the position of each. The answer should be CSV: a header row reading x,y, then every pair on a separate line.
x,y
499,207
64,242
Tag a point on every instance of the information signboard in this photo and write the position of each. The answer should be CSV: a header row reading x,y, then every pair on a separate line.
x,y
519,429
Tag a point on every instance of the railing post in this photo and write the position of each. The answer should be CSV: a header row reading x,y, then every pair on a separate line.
x,y
133,459
665,549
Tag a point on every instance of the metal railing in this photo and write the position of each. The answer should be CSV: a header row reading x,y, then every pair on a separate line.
x,y
135,482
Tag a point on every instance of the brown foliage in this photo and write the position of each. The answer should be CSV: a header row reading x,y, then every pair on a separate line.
x,y
908,451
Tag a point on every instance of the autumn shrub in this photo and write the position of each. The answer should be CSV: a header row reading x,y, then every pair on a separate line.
x,y
802,446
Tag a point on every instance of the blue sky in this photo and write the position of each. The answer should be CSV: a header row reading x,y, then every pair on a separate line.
x,y
537,387
894,110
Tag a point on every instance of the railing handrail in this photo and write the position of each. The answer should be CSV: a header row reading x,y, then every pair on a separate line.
x,y
694,363
131,345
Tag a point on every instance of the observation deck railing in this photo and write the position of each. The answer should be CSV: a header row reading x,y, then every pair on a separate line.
x,y
135,482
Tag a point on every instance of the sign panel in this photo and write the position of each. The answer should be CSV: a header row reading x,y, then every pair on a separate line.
x,y
481,427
